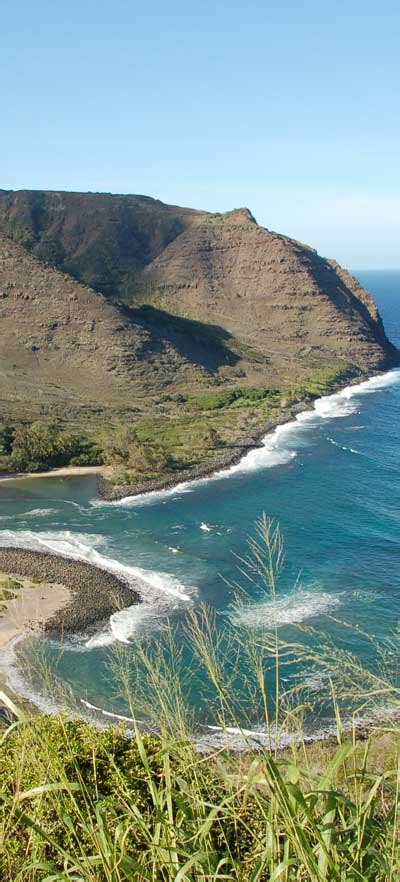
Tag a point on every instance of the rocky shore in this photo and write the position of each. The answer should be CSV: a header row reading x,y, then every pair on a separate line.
x,y
94,594
110,492
228,457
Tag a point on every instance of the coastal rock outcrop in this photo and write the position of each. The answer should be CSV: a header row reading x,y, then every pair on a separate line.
x,y
95,593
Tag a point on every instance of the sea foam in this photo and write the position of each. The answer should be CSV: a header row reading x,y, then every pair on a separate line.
x,y
287,610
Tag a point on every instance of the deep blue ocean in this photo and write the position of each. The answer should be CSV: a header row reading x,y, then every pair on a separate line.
x,y
331,480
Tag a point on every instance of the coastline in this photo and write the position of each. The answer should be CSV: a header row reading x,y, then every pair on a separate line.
x,y
109,492
55,595
26,605
60,624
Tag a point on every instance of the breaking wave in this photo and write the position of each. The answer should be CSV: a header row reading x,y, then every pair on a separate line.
x,y
38,513
161,592
342,446
289,610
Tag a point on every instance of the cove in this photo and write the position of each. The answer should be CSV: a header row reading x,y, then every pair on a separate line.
x,y
331,480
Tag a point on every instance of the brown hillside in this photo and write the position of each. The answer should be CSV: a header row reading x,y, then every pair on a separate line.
x,y
270,292
100,238
64,349
225,325
273,294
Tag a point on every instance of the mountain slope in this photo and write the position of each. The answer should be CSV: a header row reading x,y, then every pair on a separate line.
x,y
268,291
100,238
224,325
65,349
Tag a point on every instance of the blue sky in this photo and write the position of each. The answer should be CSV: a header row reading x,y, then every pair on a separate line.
x,y
289,108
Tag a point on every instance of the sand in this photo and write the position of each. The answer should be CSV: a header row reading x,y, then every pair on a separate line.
x,y
65,472
30,607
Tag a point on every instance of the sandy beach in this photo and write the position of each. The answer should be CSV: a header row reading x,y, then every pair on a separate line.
x,y
65,472
26,605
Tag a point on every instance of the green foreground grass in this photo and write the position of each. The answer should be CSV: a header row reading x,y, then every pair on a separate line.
x,y
85,804
106,805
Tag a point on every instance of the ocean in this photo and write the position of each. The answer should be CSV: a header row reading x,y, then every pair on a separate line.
x,y
330,479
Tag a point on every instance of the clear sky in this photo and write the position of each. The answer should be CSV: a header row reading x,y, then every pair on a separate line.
x,y
290,108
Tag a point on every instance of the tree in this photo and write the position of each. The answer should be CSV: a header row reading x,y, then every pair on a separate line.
x,y
34,447
118,444
145,458
7,435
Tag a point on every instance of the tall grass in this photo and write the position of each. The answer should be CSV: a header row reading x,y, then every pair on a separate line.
x,y
104,805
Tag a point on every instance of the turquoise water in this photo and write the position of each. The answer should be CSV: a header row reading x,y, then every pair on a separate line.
x,y
331,480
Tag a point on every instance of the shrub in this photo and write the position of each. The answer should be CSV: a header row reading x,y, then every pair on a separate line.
x,y
124,448
7,435
234,398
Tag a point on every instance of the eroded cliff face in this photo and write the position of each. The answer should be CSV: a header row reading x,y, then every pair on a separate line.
x,y
272,293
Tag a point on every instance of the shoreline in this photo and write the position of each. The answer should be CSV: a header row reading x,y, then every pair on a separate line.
x,y
26,605
91,594
64,472
109,492
55,595
60,624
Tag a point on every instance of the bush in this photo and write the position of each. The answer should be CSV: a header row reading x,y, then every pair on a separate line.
x,y
123,448
7,435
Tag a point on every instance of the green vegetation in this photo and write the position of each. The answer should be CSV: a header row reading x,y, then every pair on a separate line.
x,y
39,447
234,398
8,589
320,380
96,806
81,804
9,584
178,430
128,454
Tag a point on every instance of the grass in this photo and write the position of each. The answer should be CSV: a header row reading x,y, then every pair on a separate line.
x,y
8,589
180,422
107,805
187,438
249,397
93,805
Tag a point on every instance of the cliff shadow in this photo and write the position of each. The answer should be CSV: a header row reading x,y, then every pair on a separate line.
x,y
206,345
